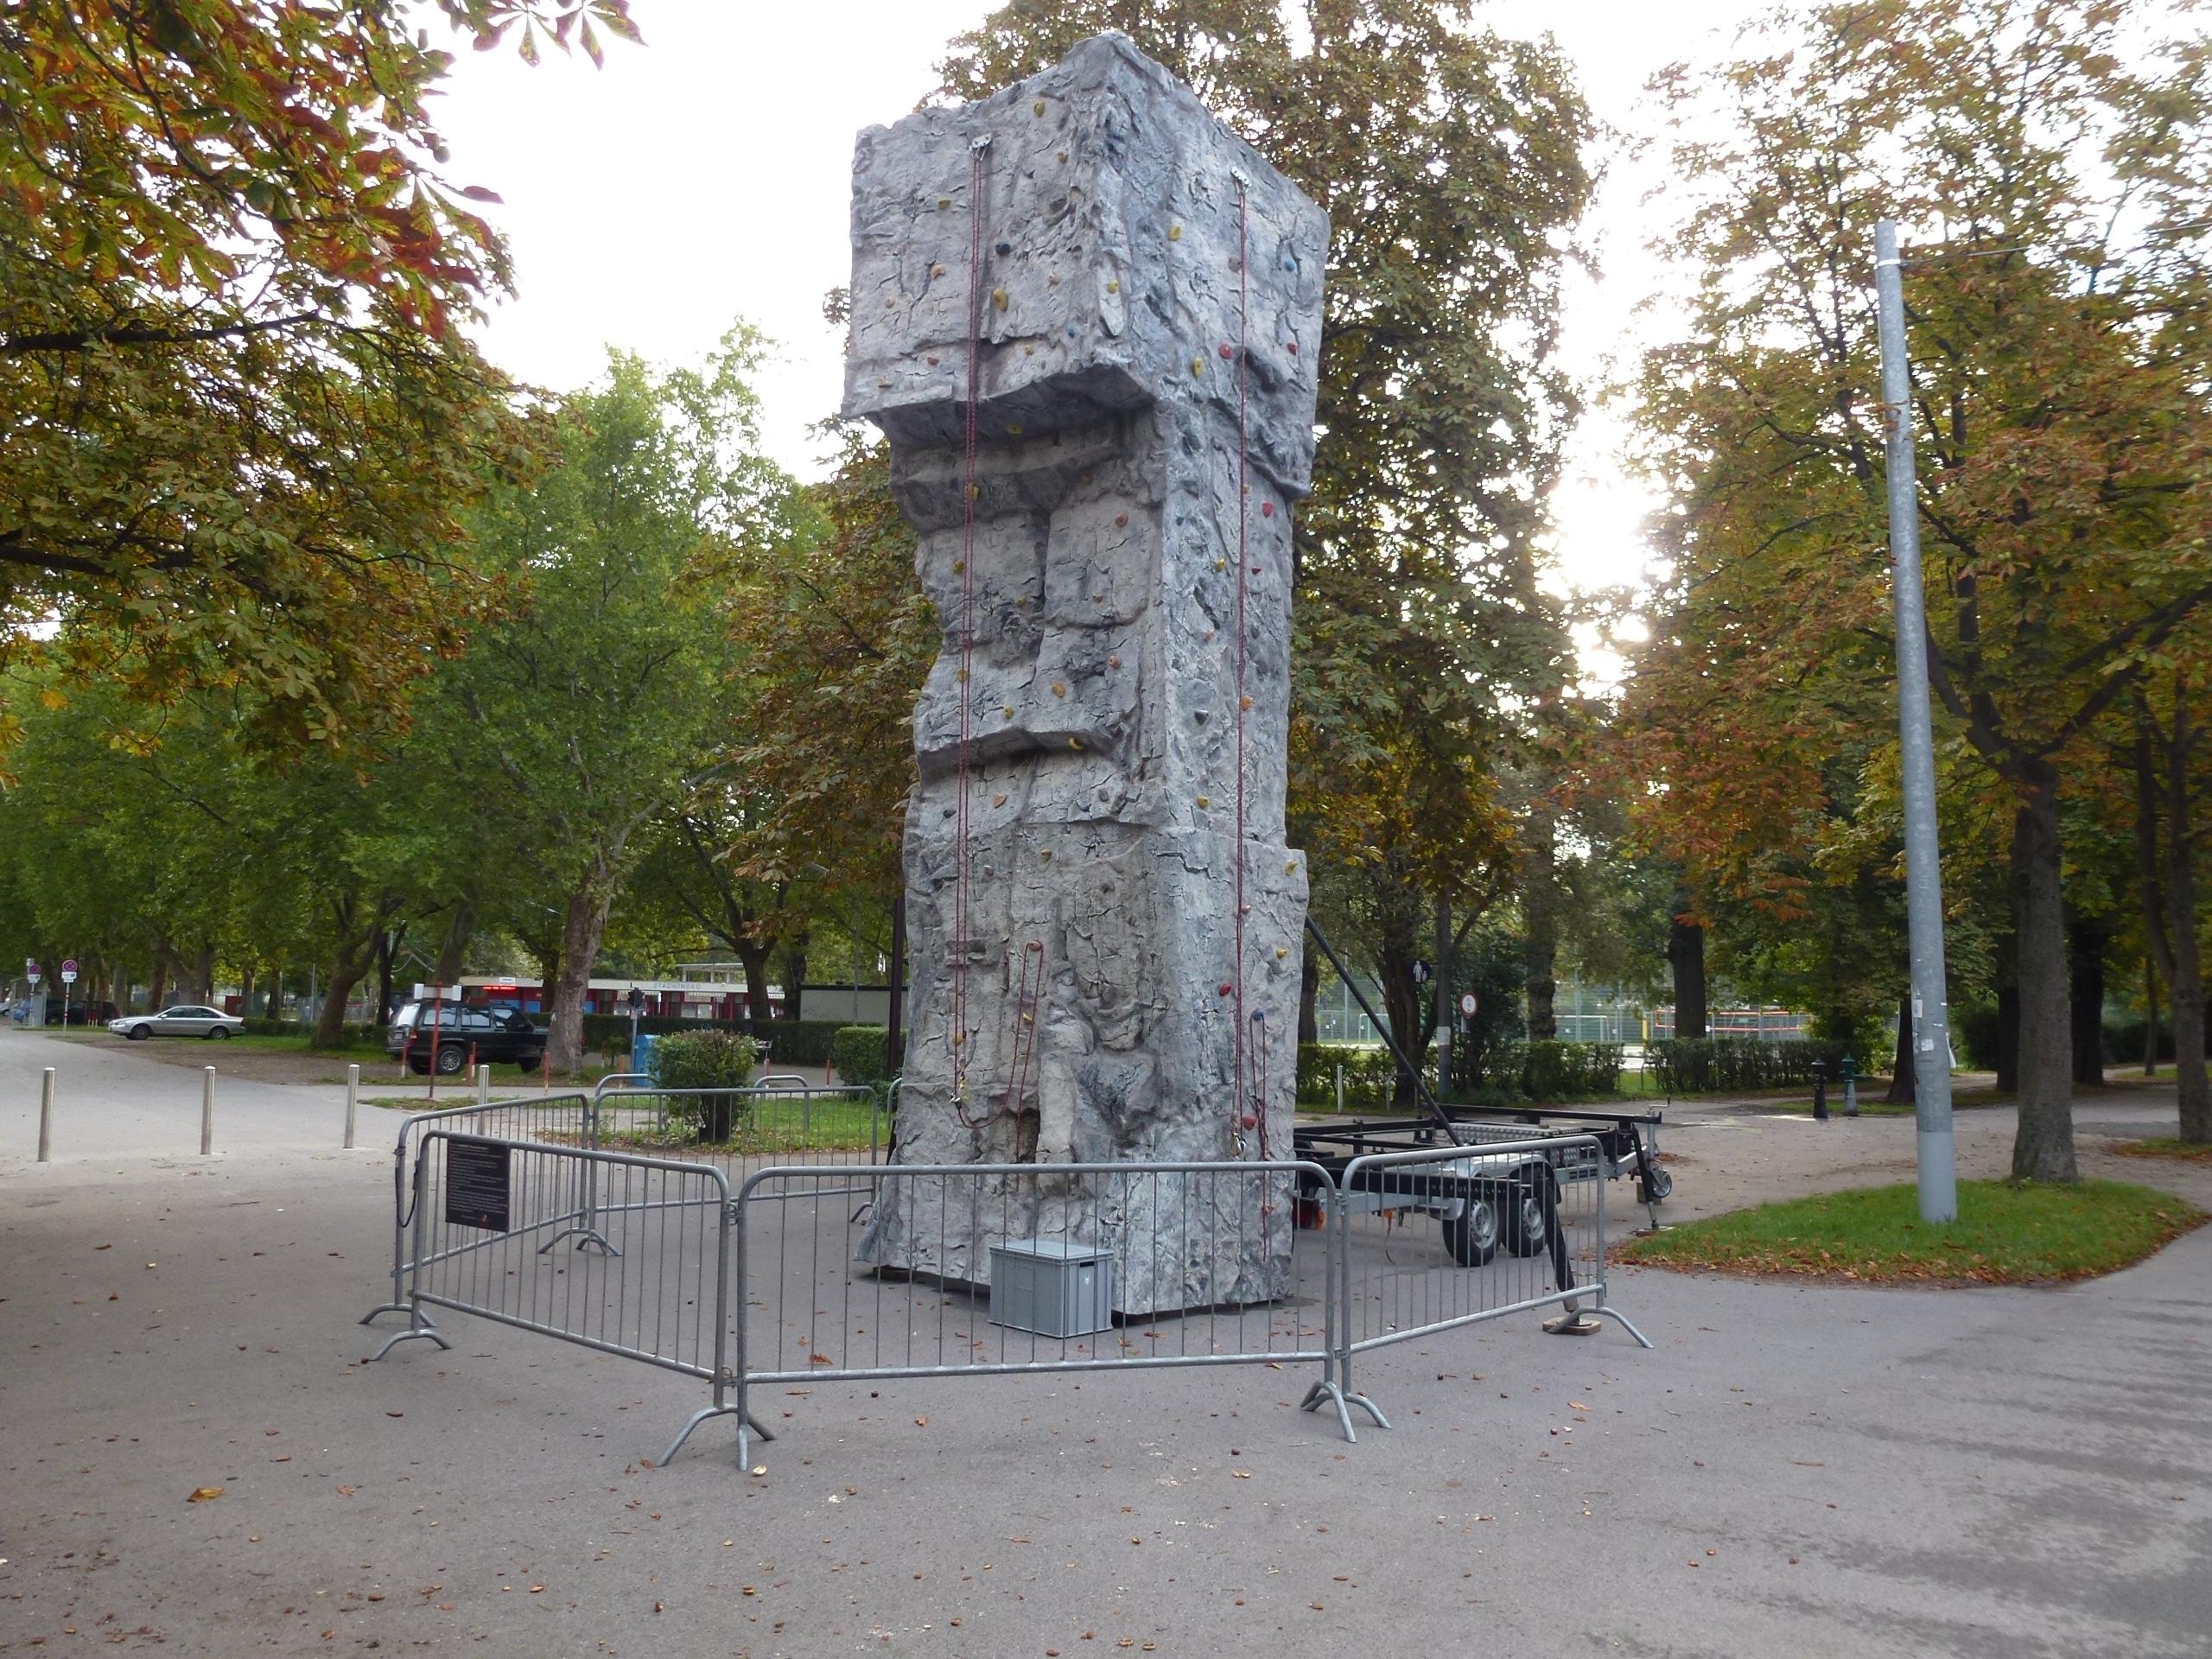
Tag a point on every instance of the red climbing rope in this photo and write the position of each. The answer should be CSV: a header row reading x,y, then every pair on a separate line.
x,y
961,949
1244,1106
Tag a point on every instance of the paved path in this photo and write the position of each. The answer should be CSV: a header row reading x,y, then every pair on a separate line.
x,y
1797,1471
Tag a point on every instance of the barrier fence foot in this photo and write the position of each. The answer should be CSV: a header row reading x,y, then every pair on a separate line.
x,y
369,1318
1337,1397
424,1330
1626,1325
1572,1323
699,1417
586,1237
747,1431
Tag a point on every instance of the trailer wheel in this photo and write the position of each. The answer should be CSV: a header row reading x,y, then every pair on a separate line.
x,y
1472,1236
1657,1189
1527,1218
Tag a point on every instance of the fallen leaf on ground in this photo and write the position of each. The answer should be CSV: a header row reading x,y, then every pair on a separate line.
x,y
203,1494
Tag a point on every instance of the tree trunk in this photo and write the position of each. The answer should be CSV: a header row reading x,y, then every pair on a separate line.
x,y
2087,938
2008,1039
245,988
452,950
1539,905
1406,1010
2150,1017
1904,1076
203,977
157,981
347,969
2188,992
581,927
387,959
755,955
2043,1147
795,973
1686,952
1309,995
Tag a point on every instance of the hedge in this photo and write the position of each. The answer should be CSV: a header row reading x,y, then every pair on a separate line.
x,y
862,1054
1696,1066
791,1042
703,1060
1508,1072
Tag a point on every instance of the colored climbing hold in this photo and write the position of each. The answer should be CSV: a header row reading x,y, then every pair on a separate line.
x,y
1174,233
970,491
1007,709
1197,366
1294,348
1291,869
1121,521
1059,690
998,298
1282,950
1012,431
1113,661
1115,286
1037,108
943,202
1074,743
1250,1122
1228,352
998,800
1227,988
1267,509
961,675
1202,801
937,270
1221,564
958,565
1245,702
1046,855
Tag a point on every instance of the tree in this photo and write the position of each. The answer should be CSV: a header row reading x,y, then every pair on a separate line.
x,y
237,412
598,707
2055,291
1449,160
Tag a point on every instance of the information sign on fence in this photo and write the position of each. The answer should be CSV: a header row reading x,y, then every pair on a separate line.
x,y
477,1188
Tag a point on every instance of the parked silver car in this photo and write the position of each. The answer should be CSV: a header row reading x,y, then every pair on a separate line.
x,y
186,1019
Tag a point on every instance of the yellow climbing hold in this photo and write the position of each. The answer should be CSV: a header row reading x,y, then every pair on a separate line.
x,y
1059,690
1202,801
1219,564
1074,742
998,298
1291,869
1282,950
1007,709
1115,286
1012,430
1037,108
958,565
1198,366
943,202
1174,233
961,675
1046,854
970,491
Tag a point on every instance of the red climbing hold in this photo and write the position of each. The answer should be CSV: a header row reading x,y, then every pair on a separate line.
x,y
1250,1122
1227,988
1267,509
1227,351
1294,348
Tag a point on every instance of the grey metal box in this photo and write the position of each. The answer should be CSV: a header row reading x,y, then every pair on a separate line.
x,y
1051,1287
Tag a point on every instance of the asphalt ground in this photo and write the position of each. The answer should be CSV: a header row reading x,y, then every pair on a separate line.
x,y
1795,1470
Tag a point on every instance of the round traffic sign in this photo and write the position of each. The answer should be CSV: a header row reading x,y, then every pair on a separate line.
x,y
1468,1005
69,971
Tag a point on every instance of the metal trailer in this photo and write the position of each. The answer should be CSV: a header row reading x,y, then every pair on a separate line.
x,y
1484,1201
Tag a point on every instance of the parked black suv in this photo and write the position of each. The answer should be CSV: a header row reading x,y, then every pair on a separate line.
x,y
496,1036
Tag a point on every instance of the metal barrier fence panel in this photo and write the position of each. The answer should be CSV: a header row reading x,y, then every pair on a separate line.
x,y
1431,1240
645,1273
941,1270
564,1119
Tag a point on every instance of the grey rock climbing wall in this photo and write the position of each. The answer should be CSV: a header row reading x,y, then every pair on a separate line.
x,y
1149,331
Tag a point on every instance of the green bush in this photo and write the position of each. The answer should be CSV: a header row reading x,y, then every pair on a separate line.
x,y
791,1042
703,1060
862,1054
1369,1075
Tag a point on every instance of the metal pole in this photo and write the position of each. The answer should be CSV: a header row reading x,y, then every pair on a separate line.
x,y
1443,998
353,1102
483,1084
207,1112
46,1117
1931,1019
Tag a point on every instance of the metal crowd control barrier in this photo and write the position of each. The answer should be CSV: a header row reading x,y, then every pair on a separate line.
x,y
566,1119
1521,1226
487,1212
963,1269
834,1122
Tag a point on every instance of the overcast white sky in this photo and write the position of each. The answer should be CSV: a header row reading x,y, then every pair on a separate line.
x,y
704,178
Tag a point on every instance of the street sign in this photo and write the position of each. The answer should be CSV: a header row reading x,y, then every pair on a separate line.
x,y
1423,973
30,972
69,971
1468,1005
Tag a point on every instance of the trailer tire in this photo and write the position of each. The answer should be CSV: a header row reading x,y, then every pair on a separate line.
x,y
1528,1216
1472,1236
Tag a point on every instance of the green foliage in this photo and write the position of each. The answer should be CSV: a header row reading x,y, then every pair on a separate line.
x,y
2006,1233
238,410
791,1042
1702,1065
1560,1070
1370,1075
862,1054
703,1059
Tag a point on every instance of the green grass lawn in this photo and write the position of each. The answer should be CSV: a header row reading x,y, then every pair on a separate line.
x,y
771,1125
2004,1235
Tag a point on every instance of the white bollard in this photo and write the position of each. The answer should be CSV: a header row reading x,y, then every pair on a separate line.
x,y
46,1117
207,1112
1340,1089
353,1102
483,1084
